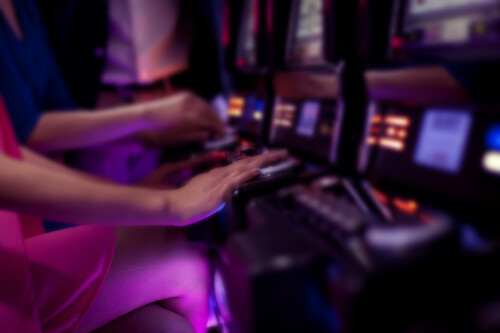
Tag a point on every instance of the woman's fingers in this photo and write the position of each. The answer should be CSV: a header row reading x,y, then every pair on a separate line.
x,y
247,169
237,179
261,160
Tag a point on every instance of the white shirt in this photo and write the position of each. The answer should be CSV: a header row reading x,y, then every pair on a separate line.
x,y
147,41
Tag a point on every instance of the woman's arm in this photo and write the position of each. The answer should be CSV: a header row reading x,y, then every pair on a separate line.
x,y
58,196
36,191
58,131
30,157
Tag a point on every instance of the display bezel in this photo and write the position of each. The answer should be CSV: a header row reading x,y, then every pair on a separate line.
x,y
327,57
402,48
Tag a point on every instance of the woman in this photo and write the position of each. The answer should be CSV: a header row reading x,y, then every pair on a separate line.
x,y
154,275
33,91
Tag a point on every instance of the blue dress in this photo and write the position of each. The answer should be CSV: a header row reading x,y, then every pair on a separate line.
x,y
30,82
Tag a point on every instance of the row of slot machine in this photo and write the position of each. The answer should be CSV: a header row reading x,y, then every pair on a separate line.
x,y
385,215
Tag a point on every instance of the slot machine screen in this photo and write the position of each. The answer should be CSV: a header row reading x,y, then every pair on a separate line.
x,y
442,139
446,152
307,34
307,127
447,29
308,119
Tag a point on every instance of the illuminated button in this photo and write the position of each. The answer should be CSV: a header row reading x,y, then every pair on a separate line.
x,y
397,121
491,162
371,140
407,206
236,101
392,144
390,131
235,112
493,137
257,115
259,106
402,134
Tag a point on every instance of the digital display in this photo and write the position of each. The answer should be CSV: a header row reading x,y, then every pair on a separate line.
x,y
434,22
308,34
427,6
308,118
310,22
442,140
236,106
389,132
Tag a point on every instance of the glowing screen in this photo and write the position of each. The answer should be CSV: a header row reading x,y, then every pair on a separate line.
x,y
427,6
442,140
308,118
432,22
308,37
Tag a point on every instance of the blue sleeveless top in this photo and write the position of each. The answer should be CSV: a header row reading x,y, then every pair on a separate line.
x,y
30,82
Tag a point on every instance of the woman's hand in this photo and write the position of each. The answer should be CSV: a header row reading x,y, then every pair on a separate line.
x,y
186,115
204,194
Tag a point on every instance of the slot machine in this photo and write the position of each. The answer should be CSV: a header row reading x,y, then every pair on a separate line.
x,y
393,249
437,156
309,45
248,46
445,30
442,151
266,255
434,156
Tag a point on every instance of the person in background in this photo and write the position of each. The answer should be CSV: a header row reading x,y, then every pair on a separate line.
x,y
128,50
120,52
37,100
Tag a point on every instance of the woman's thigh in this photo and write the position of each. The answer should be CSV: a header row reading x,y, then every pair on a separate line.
x,y
152,264
151,318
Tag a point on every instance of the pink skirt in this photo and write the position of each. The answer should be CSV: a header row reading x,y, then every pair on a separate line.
x,y
48,281
68,268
